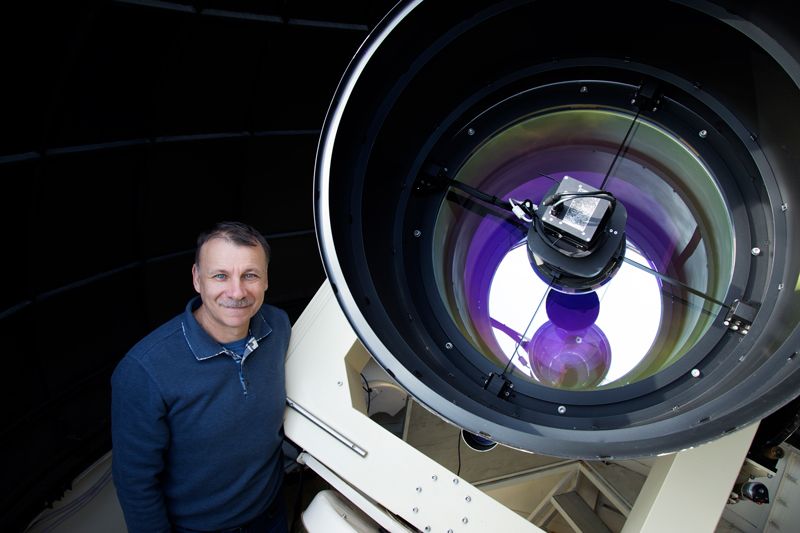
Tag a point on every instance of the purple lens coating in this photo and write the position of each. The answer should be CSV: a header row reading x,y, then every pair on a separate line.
x,y
492,303
569,359
572,311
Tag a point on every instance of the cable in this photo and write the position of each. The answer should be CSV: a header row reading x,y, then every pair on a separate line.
x,y
368,390
619,150
514,353
558,199
458,472
537,222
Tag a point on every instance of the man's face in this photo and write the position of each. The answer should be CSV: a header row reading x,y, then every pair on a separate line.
x,y
231,281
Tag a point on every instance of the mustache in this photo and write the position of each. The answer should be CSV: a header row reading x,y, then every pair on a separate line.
x,y
245,302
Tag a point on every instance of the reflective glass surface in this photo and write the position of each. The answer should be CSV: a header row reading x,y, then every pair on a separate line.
x,y
639,322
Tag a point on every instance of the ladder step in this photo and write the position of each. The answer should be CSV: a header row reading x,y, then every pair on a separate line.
x,y
578,514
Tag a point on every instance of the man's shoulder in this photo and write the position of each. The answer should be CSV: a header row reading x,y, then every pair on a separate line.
x,y
161,340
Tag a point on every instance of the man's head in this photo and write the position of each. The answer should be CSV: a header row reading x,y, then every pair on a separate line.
x,y
230,274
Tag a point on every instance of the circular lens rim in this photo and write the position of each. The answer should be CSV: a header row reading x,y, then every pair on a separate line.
x,y
658,432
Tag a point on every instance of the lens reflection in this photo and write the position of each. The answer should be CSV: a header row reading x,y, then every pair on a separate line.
x,y
569,359
678,225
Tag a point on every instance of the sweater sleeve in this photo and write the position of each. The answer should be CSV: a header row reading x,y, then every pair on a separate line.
x,y
140,437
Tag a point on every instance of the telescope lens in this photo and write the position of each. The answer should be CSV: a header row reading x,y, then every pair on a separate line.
x,y
693,336
679,235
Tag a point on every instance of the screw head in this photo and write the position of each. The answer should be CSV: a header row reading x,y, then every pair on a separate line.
x,y
703,134
434,477
755,250
471,131
339,383
415,509
449,345
419,489
695,373
561,409
465,520
417,233
468,499
584,89
455,481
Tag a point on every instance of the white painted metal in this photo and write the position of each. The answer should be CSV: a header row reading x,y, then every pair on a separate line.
x,y
329,512
364,502
687,491
392,473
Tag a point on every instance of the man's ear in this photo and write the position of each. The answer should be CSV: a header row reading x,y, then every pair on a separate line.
x,y
195,278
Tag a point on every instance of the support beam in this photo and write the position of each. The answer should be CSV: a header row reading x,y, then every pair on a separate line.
x,y
687,491
323,361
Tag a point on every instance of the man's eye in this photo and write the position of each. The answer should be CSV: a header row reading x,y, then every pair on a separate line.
x,y
219,276
250,275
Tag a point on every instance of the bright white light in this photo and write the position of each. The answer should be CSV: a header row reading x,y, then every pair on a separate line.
x,y
630,310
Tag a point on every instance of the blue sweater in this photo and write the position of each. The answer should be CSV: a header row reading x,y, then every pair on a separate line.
x,y
197,429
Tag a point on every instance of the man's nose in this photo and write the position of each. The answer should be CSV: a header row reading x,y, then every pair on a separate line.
x,y
236,289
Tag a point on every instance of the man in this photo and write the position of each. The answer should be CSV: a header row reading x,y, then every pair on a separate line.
x,y
197,405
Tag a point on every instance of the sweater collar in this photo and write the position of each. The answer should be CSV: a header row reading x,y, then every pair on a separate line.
x,y
203,346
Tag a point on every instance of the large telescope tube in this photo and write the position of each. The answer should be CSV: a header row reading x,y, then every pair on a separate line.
x,y
448,112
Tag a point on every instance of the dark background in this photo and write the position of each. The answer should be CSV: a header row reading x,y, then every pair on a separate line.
x,y
127,128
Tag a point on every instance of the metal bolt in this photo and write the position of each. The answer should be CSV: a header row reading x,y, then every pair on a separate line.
x,y
703,134
471,131
561,409
780,286
434,477
419,489
465,520
415,509
339,383
578,340
449,345
756,251
695,373
468,499
417,233
784,207
584,89
455,481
